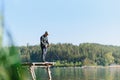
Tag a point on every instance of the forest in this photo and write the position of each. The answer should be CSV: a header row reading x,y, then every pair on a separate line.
x,y
67,54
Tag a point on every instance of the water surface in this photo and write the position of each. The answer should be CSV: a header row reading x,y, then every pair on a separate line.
x,y
78,73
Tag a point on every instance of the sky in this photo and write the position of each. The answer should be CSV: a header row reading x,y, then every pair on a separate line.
x,y
67,21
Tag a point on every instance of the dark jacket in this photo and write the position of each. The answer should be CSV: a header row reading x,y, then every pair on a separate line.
x,y
44,41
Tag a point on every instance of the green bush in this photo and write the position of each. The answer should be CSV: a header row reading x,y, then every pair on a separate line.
x,y
10,66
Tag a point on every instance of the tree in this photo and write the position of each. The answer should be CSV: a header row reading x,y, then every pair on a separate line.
x,y
109,59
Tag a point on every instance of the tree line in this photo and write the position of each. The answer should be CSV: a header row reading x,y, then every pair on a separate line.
x,y
89,54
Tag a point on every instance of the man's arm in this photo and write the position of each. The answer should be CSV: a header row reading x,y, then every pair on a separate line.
x,y
41,41
47,42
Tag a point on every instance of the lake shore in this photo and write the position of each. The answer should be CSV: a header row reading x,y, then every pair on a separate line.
x,y
112,66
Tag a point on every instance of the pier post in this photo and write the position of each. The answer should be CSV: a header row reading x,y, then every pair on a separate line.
x,y
49,73
47,65
32,73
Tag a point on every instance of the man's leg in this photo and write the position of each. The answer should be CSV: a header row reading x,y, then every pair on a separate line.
x,y
44,53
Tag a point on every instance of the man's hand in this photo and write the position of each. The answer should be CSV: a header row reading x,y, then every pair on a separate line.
x,y
48,45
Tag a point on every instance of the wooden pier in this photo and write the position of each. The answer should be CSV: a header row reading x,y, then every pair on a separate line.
x,y
32,65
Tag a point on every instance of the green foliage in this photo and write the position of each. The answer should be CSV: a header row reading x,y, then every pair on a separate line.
x,y
10,66
109,59
73,55
88,62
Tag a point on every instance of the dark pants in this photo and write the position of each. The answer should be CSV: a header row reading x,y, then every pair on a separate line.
x,y
44,52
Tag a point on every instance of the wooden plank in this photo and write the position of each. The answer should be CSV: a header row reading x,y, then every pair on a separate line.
x,y
49,73
32,73
38,64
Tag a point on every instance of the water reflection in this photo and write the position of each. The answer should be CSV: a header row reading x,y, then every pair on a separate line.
x,y
71,73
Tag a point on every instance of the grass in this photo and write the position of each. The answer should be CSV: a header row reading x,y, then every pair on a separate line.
x,y
10,65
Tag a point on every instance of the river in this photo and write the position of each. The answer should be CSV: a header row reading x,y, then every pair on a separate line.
x,y
78,73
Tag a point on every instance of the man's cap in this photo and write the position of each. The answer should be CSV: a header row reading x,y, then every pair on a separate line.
x,y
46,32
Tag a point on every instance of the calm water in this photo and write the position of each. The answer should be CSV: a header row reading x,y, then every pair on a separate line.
x,y
71,73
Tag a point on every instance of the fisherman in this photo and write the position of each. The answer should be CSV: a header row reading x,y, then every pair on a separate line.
x,y
44,44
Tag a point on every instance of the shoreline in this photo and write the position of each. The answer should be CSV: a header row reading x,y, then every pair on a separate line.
x,y
116,66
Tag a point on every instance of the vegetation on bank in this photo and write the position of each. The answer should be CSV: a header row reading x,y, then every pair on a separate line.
x,y
86,54
10,64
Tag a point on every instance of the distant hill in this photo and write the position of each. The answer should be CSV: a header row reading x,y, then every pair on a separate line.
x,y
68,54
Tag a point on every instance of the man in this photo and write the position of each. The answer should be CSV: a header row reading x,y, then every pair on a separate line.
x,y
44,45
